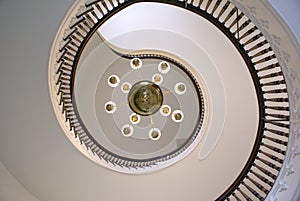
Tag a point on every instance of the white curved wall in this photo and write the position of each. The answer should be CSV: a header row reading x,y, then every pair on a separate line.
x,y
27,31
11,189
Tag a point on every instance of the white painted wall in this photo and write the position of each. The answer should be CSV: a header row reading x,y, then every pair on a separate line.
x,y
11,189
27,31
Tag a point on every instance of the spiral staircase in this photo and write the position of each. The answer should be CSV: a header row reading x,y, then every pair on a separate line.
x,y
228,70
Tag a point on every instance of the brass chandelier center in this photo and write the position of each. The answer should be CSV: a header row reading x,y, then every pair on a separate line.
x,y
145,98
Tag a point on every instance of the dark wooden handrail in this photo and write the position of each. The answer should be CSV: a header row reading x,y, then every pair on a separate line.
x,y
260,172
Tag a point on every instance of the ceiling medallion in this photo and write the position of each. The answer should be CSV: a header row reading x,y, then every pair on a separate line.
x,y
150,105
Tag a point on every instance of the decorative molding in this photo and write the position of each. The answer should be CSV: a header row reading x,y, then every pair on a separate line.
x,y
279,41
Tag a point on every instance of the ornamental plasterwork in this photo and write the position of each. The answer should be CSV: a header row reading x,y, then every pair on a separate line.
x,y
287,51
